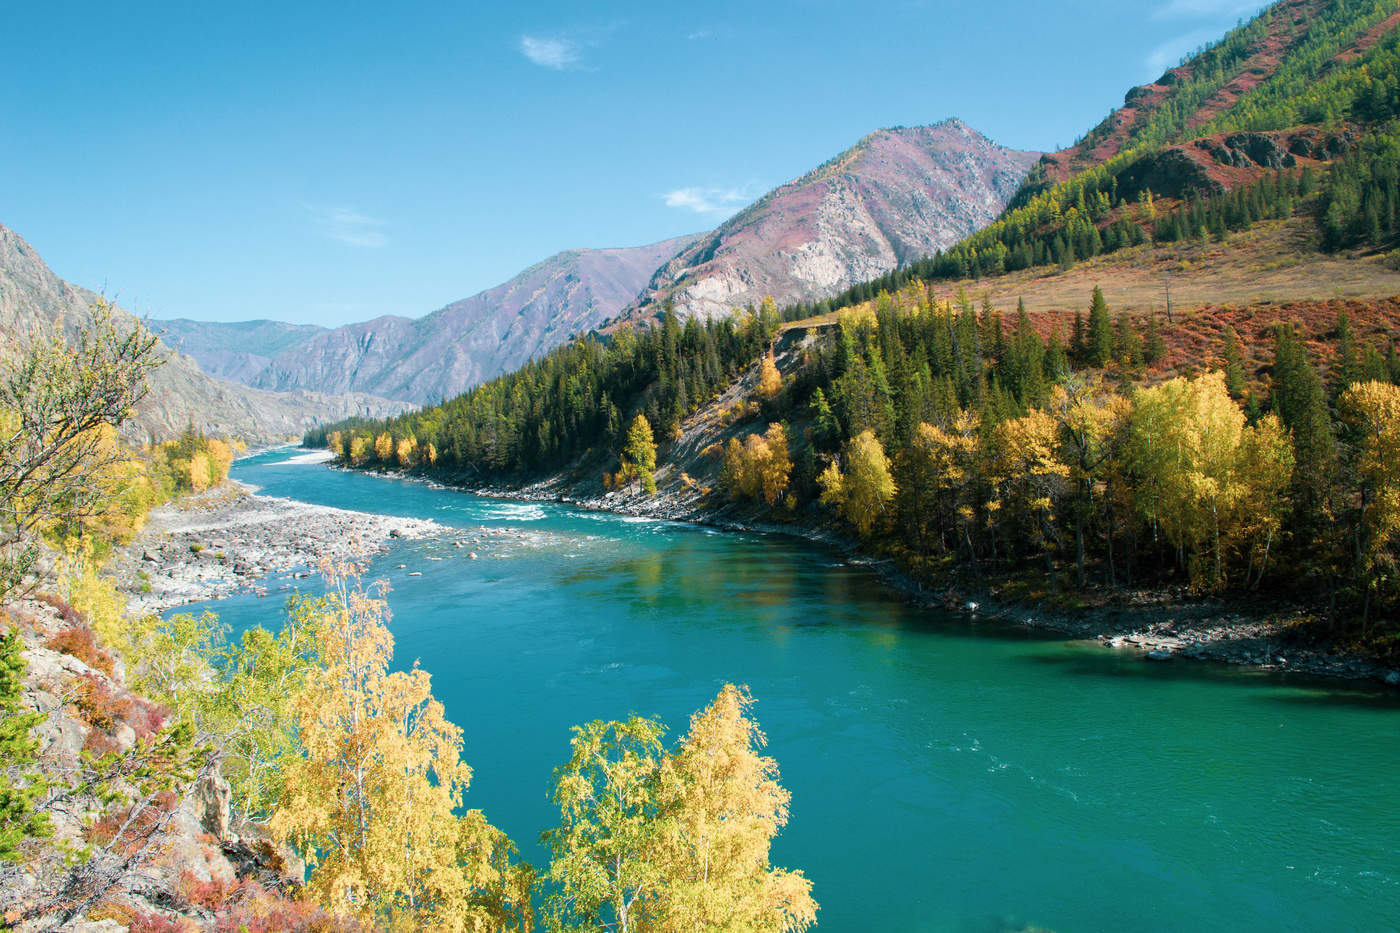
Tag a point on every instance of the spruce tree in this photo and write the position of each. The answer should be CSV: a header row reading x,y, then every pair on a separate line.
x,y
1154,348
1099,345
1234,364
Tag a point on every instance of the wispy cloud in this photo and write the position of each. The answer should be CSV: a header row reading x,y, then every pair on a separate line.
x,y
1200,9
559,54
1168,54
348,226
708,200
699,34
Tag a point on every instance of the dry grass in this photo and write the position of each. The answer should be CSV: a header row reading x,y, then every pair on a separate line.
x,y
1273,262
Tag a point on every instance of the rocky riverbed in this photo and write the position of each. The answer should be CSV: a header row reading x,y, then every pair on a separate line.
x,y
208,545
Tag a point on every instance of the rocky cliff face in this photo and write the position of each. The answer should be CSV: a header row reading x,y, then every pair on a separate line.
x,y
35,304
441,355
896,196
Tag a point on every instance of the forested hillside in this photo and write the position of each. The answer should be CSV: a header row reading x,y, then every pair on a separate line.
x,y
1053,454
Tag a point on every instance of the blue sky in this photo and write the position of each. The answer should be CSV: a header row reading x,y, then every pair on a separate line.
x,y
329,162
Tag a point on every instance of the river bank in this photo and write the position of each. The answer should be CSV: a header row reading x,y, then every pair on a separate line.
x,y
1161,626
211,544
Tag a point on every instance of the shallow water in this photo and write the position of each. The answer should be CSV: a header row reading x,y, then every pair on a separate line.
x,y
945,775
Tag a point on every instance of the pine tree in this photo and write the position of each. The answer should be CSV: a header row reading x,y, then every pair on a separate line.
x,y
1154,348
19,786
1234,364
1078,346
1346,369
1099,339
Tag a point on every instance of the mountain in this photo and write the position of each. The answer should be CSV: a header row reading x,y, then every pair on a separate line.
x,y
896,196
35,304
441,355
237,351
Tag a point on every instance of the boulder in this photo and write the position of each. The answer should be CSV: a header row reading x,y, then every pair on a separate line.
x,y
212,796
1159,654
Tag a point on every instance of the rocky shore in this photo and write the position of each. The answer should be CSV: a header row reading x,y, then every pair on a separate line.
x,y
208,545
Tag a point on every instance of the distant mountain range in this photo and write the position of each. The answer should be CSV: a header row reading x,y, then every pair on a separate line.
x,y
427,359
896,196
35,305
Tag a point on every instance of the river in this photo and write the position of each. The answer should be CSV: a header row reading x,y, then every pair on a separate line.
x,y
946,775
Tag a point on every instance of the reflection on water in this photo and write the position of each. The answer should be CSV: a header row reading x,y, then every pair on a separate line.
x,y
946,775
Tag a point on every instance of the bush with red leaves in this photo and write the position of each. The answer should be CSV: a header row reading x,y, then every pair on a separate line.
x,y
104,709
139,826
79,641
256,910
210,895
70,615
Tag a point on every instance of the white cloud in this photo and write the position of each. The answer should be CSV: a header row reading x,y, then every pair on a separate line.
x,y
707,200
1169,53
348,226
1199,9
558,54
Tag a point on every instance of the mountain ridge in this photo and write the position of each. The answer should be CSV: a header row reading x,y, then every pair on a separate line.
x,y
897,195
36,305
465,342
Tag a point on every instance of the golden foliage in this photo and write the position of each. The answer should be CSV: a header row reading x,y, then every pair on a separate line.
x,y
861,491
372,804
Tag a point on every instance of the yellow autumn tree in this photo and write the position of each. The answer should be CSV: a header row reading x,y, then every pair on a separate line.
x,y
199,472
384,447
1197,465
759,468
770,381
861,491
722,806
658,841
404,451
639,454
936,485
1372,411
372,803
1026,479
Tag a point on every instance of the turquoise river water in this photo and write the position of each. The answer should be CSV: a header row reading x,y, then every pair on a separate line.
x,y
945,775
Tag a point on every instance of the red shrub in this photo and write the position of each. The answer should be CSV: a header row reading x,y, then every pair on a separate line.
x,y
138,828
70,615
99,705
105,708
257,910
209,894
156,923
140,921
79,641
